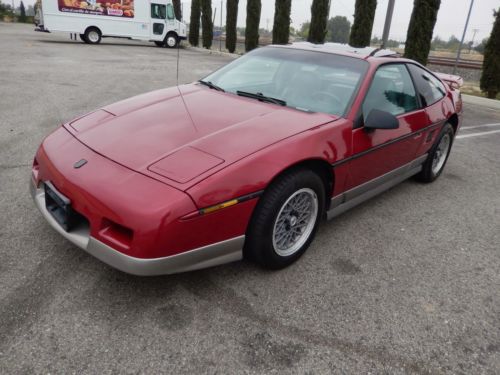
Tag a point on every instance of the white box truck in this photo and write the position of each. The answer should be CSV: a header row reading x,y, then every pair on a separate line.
x,y
151,20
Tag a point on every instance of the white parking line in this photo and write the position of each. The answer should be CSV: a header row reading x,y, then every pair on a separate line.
x,y
461,136
479,126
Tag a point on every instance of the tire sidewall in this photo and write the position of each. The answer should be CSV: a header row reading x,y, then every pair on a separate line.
x,y
174,37
447,129
87,33
260,234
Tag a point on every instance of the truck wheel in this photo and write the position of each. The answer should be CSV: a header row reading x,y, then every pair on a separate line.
x,y
92,35
171,40
160,44
82,38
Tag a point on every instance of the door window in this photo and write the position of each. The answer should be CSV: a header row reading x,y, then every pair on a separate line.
x,y
391,91
170,12
429,87
158,11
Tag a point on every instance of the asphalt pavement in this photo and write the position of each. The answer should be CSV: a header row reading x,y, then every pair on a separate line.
x,y
408,282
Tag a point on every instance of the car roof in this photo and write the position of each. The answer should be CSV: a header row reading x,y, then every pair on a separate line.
x,y
342,49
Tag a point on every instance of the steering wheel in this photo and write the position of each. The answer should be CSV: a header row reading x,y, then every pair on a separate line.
x,y
322,95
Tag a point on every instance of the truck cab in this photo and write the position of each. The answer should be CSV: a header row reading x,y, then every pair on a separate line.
x,y
166,30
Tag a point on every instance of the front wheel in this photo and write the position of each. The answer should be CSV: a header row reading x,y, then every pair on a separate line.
x,y
171,40
286,219
438,155
159,44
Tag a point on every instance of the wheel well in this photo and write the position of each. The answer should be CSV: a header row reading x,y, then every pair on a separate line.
x,y
172,32
453,120
322,168
93,27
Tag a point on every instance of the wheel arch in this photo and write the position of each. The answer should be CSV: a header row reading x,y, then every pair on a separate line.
x,y
319,166
93,27
453,120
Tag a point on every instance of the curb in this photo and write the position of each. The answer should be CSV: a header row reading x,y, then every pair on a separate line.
x,y
212,52
483,102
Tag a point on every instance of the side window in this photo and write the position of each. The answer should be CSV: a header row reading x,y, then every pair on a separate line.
x,y
158,11
391,91
429,87
170,12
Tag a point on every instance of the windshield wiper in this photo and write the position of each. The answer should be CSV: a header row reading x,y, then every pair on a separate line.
x,y
261,97
211,85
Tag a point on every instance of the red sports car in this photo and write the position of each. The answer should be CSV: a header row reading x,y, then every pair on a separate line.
x,y
245,162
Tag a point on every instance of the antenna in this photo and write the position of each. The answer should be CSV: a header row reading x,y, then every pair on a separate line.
x,y
178,57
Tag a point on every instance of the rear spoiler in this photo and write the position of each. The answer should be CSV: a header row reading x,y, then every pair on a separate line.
x,y
455,82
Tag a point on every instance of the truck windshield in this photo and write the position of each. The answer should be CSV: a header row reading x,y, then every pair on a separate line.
x,y
306,80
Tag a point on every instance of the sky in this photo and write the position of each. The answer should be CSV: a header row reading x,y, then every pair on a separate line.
x,y
451,17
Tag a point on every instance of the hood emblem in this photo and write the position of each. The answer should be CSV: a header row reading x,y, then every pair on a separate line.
x,y
80,163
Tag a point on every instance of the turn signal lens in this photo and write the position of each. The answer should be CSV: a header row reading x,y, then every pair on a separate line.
x,y
219,206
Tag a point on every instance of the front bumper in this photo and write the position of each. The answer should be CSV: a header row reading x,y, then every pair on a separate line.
x,y
207,256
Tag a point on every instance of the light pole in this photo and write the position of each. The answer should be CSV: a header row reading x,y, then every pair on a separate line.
x,y
463,37
387,25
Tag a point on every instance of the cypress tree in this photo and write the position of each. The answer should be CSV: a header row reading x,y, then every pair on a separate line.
x,y
320,10
281,27
490,78
252,27
194,23
231,19
22,12
207,25
361,31
177,9
419,37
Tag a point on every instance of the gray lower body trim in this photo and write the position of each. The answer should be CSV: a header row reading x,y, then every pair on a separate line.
x,y
351,198
208,256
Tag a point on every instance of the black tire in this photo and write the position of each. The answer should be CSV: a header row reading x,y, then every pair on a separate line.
x,y
171,40
259,244
159,44
93,35
428,172
83,39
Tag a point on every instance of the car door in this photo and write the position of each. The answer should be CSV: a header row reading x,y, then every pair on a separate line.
x,y
380,151
431,92
158,23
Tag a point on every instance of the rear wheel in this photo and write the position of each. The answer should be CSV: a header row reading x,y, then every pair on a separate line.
x,y
438,156
286,219
82,38
92,35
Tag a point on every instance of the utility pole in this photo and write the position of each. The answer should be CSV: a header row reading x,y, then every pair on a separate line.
x,y
472,41
463,37
220,36
388,21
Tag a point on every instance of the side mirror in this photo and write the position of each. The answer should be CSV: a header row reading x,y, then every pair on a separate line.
x,y
378,119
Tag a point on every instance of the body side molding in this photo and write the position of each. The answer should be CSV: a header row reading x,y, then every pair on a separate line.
x,y
351,198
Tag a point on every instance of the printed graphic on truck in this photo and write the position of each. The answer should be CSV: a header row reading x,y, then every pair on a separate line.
x,y
117,8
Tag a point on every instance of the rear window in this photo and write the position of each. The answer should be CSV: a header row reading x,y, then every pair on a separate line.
x,y
429,87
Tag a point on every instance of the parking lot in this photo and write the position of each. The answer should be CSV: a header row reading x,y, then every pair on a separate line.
x,y
408,282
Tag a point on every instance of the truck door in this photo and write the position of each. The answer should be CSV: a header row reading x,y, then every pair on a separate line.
x,y
158,21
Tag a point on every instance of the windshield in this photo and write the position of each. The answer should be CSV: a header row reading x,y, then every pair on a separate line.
x,y
306,80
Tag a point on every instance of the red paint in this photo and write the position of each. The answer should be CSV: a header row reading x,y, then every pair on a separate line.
x,y
156,159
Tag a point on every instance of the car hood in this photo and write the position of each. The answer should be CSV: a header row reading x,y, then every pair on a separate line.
x,y
182,134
